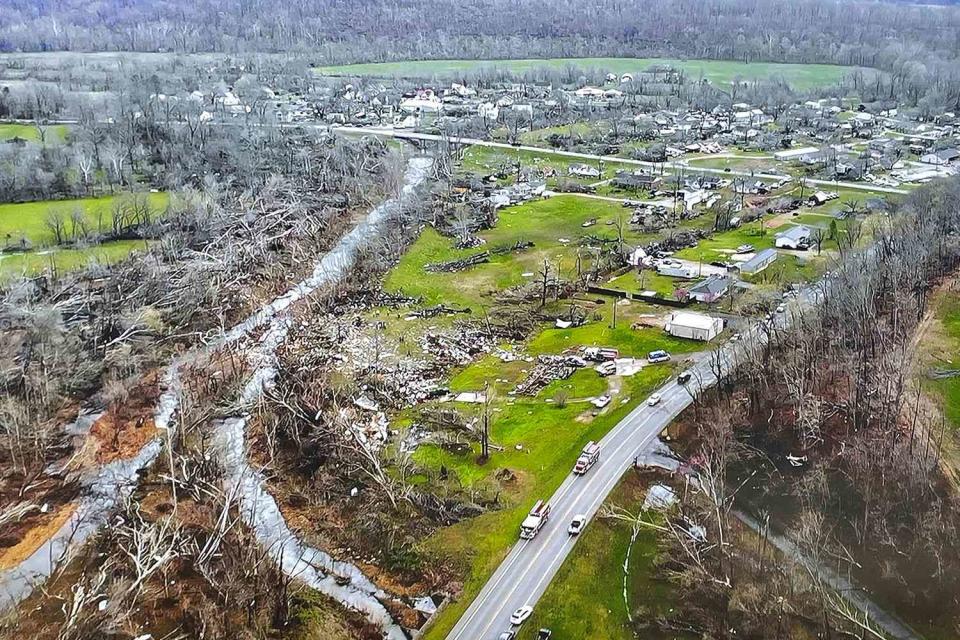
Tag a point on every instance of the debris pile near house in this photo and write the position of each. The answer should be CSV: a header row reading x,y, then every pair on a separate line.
x,y
477,258
677,241
548,369
458,348
401,384
433,312
370,428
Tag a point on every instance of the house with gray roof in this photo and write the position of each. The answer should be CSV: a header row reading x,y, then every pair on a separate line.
x,y
759,262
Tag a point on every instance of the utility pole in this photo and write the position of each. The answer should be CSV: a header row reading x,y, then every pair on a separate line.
x,y
485,425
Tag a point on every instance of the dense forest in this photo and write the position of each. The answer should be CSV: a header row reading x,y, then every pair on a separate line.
x,y
848,32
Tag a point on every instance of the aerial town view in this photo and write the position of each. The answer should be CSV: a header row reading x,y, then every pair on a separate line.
x,y
503,320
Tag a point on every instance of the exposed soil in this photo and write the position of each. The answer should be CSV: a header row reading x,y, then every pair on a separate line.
x,y
122,431
31,534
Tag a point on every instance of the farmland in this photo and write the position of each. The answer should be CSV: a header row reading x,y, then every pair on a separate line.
x,y
801,76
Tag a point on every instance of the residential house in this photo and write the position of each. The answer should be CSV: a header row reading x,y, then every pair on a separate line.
x,y
710,289
759,262
636,180
943,156
797,237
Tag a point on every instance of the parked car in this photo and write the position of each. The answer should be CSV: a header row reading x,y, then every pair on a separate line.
x,y
577,524
601,402
507,635
520,615
607,368
544,634
684,377
654,400
658,356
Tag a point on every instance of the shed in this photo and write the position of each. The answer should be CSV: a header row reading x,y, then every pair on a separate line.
x,y
694,326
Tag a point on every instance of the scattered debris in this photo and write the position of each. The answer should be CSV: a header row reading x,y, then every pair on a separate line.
x,y
659,497
471,397
547,369
477,258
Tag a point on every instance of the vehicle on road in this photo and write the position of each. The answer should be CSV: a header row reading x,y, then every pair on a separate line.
x,y
520,615
658,356
507,635
654,400
544,634
588,457
577,524
684,377
781,308
535,520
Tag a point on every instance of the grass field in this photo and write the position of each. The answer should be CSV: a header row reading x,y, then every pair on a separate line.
x,y
943,348
800,76
54,133
29,219
544,222
61,260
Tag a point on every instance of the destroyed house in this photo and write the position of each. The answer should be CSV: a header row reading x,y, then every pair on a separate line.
x,y
583,171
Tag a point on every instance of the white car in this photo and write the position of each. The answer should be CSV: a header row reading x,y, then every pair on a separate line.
x,y
577,524
654,400
520,615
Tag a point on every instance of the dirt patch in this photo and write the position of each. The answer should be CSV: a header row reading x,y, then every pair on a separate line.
x,y
778,221
31,540
125,427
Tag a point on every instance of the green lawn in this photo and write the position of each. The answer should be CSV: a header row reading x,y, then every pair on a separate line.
x,y
800,76
484,160
946,354
29,219
543,222
581,129
34,262
721,245
54,133
647,280
757,165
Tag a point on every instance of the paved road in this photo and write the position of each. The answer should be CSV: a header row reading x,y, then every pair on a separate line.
x,y
526,572
429,137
